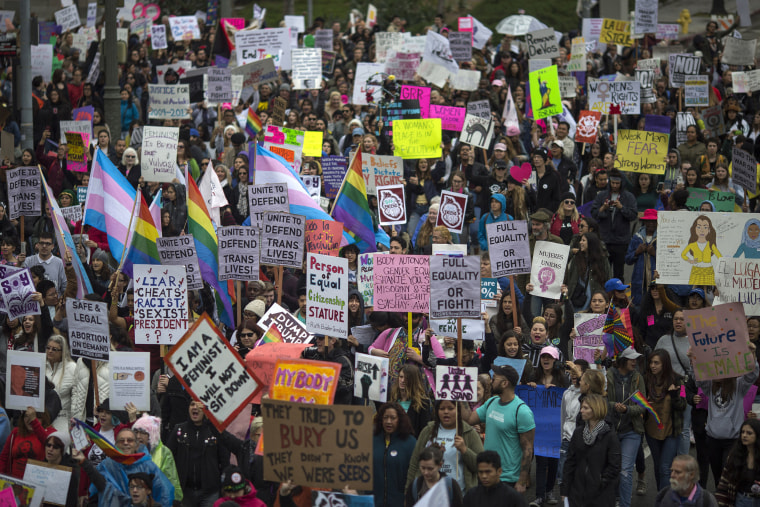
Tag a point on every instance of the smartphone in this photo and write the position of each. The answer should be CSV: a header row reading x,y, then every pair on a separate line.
x,y
661,186
679,180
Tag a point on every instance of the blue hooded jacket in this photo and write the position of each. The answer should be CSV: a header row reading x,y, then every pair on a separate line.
x,y
489,218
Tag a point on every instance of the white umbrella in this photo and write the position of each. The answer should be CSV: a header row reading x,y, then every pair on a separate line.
x,y
519,24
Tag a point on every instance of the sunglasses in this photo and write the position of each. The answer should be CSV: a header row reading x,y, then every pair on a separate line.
x,y
246,335
51,445
569,202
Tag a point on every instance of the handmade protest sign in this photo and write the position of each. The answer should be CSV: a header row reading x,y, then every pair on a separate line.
x,y
615,31
723,201
371,377
645,19
460,44
587,128
323,237
713,118
212,372
625,94
180,251
169,102
256,73
645,77
419,93
548,269
159,153
451,213
483,127
272,197
744,169
333,171
400,110
545,403
312,144
567,86
6,270
282,239
305,381
130,379
414,139
454,287
542,44
681,66
391,205
718,339
77,151
25,381
588,335
696,91
318,446
381,170
161,311
67,18
452,118
327,295
479,108
402,283
52,482
472,329
363,91
291,329
438,51
738,278
219,85
323,38
184,27
261,361
404,65
332,498
18,292
24,192
158,37
577,61
544,92
509,248
365,277
642,152
387,43
88,329
307,68
238,253
454,383
739,51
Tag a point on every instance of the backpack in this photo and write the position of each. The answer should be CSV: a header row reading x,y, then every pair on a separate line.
x,y
449,487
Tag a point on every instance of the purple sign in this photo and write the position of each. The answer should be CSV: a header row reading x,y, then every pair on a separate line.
x,y
333,171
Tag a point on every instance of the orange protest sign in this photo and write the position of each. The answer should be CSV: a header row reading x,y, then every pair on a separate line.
x,y
263,359
323,237
304,381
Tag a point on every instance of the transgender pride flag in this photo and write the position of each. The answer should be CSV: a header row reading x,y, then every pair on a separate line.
x,y
109,190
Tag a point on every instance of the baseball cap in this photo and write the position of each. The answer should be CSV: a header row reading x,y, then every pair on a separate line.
x,y
614,284
357,132
629,353
697,291
550,350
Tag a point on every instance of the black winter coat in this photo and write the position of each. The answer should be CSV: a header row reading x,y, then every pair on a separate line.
x,y
201,447
591,472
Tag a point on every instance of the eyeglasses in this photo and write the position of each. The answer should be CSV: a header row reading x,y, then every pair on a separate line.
x,y
501,169
129,156
52,349
125,441
246,335
569,202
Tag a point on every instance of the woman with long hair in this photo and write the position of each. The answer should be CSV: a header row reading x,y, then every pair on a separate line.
x,y
664,394
655,314
410,393
722,182
101,272
565,221
356,318
741,474
431,465
424,234
176,204
503,321
9,246
588,271
59,370
393,444
522,200
570,408
458,441
645,192
700,250
35,329
510,345
26,441
592,469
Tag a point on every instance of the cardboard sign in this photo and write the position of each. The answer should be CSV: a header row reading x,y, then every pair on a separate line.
x,y
307,68
89,336
451,213
169,102
578,52
380,170
567,86
18,290
161,309
391,205
291,329
365,71
454,287
682,66
52,482
615,31
544,92
25,381
72,214
587,128
159,153
180,251
77,152
625,94
282,239
452,118
543,44
548,269
318,446
739,51
257,72
323,237
415,139
184,27
371,377
472,329
460,44
546,405
212,372
454,383
642,152
238,253
718,338
305,381
477,131
24,192
68,18
645,18
404,65
509,248
402,283
467,80
365,277
327,295
386,43
219,85
744,169
130,379
262,199
158,37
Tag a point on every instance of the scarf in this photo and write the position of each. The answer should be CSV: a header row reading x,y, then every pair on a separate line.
x,y
589,434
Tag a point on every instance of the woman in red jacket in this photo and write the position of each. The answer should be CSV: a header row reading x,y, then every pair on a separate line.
x,y
26,441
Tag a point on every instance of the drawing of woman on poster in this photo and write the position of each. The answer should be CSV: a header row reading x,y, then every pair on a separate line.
x,y
700,250
750,245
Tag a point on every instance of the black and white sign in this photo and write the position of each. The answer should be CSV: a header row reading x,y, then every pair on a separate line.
x,y
238,253
88,329
454,287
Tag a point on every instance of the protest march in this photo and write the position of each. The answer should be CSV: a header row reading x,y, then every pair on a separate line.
x,y
359,261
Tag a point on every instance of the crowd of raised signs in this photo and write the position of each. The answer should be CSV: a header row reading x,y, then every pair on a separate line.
x,y
257,295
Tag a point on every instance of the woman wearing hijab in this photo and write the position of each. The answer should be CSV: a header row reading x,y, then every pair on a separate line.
x,y
750,245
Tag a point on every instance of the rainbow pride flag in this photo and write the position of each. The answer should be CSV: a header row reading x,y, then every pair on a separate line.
x,y
352,209
253,123
641,400
107,447
273,335
143,249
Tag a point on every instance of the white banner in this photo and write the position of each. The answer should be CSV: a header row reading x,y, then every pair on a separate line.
x,y
159,153
130,379
547,273
161,309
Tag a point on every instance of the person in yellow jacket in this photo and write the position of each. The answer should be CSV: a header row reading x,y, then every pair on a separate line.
x,y
148,432
700,250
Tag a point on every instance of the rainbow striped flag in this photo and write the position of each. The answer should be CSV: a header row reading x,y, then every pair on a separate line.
x,y
253,123
207,247
273,335
352,209
641,400
107,447
142,249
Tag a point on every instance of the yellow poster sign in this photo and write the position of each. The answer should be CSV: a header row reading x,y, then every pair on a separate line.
x,y
545,97
640,151
417,138
615,31
304,381
312,143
